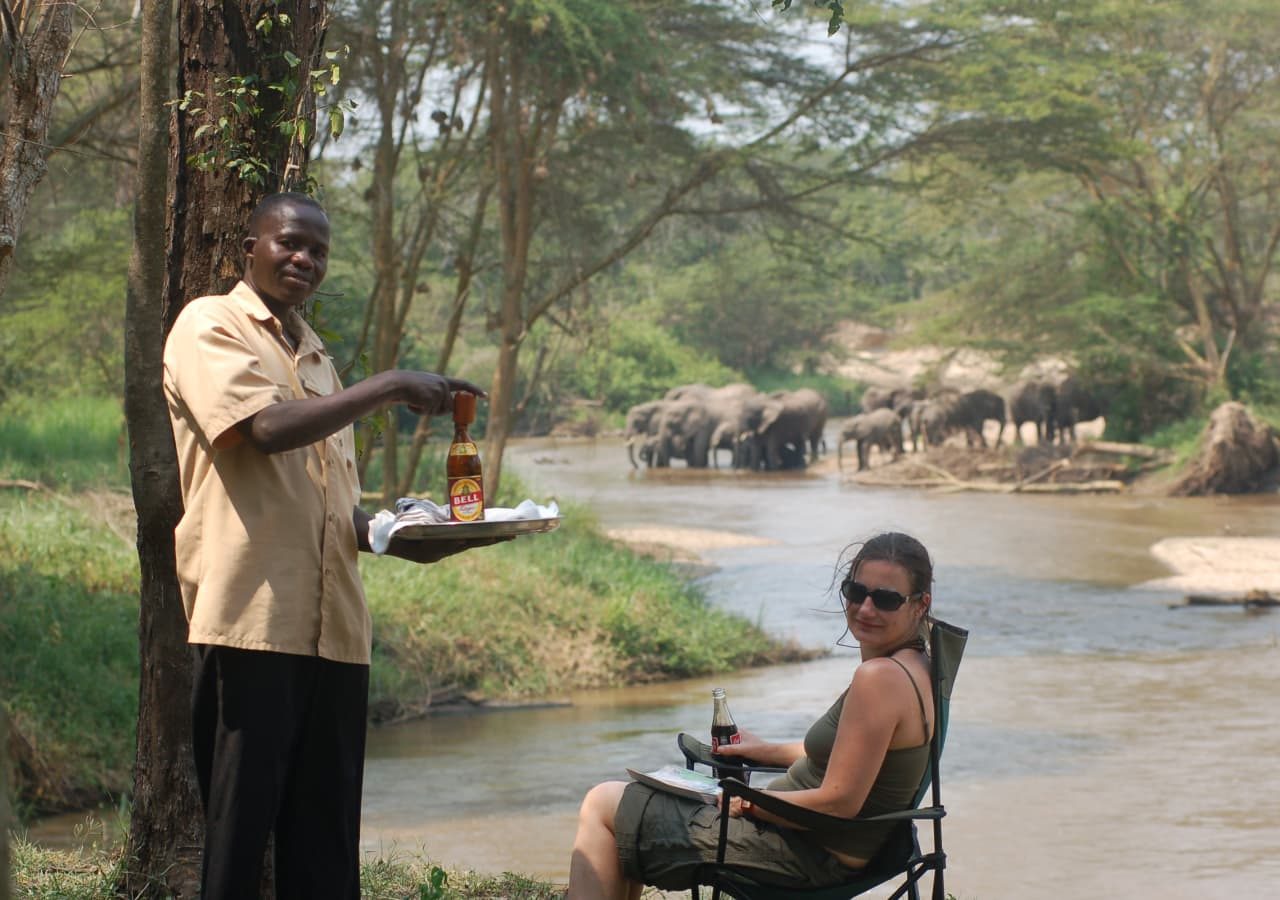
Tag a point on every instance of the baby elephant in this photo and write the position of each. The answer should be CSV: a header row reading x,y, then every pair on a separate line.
x,y
879,428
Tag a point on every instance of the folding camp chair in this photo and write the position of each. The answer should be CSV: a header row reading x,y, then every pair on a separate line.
x,y
900,857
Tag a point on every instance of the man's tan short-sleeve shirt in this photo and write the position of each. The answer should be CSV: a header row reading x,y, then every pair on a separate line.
x,y
266,548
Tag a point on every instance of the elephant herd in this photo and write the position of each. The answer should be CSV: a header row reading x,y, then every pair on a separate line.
x,y
1055,406
780,430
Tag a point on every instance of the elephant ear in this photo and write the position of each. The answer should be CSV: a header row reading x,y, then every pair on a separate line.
x,y
772,410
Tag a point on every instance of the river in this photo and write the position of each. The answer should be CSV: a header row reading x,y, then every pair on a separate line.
x,y
1102,743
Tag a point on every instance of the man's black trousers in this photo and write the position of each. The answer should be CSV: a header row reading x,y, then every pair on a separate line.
x,y
279,746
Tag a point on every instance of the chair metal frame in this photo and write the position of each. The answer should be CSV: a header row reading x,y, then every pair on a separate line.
x,y
900,857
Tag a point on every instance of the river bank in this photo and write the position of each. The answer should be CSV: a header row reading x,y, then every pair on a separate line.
x,y
465,634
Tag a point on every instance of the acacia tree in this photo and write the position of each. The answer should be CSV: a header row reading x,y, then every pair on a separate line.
x,y
243,128
408,55
1191,212
1143,241
559,72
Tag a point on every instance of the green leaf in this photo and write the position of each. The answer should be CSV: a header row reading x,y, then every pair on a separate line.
x,y
292,59
337,121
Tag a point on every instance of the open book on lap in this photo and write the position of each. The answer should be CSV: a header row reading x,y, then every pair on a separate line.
x,y
682,781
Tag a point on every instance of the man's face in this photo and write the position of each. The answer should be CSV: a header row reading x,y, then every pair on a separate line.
x,y
289,255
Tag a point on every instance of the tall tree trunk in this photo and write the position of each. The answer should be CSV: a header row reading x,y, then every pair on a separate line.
x,y
165,829
34,58
208,209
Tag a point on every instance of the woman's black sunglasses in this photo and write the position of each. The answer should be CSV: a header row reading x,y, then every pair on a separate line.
x,y
885,600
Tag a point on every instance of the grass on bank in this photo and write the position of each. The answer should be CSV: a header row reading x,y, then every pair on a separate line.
x,y
536,616
41,874
74,442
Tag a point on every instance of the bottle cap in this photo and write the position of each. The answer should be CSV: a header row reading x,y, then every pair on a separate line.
x,y
464,408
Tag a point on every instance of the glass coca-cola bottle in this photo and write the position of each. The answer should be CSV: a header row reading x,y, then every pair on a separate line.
x,y
723,729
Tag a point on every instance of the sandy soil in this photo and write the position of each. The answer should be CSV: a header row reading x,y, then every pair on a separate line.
x,y
684,545
1219,565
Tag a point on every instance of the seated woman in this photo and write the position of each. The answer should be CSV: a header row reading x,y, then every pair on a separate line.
x,y
865,756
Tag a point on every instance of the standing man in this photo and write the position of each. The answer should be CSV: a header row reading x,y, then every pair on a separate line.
x,y
266,553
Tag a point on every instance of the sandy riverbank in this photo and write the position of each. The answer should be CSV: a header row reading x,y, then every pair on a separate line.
x,y
1219,565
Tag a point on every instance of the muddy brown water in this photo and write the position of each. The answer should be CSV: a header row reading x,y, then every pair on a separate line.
x,y
1102,744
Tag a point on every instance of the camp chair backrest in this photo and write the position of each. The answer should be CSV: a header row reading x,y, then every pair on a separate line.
x,y
946,647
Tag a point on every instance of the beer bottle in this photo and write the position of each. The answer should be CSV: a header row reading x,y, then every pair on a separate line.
x,y
723,729
466,486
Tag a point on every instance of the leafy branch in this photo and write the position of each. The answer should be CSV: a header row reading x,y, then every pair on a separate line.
x,y
245,105
834,6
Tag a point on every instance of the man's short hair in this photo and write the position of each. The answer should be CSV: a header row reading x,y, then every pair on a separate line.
x,y
271,202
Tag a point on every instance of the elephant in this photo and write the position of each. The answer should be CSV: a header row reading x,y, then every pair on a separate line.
x,y
688,391
879,428
1073,403
738,419
798,420
927,421
876,397
641,428
970,412
683,432
1030,400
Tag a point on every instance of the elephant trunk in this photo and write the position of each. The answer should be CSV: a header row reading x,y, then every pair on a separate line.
x,y
631,453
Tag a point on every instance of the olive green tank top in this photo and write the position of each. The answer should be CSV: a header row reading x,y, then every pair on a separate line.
x,y
894,788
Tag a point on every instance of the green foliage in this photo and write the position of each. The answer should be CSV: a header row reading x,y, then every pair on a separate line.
x,y
843,395
69,443
480,621
245,107
477,622
638,361
1125,352
835,7
433,889
1253,376
68,648
753,310
62,319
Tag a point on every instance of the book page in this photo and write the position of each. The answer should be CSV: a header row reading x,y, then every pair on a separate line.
x,y
682,781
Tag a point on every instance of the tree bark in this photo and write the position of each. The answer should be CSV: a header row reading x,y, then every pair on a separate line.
x,y
165,829
196,251
1239,455
34,59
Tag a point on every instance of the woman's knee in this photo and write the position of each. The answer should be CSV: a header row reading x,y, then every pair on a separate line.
x,y
601,802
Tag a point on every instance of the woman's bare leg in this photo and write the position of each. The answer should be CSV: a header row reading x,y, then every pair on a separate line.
x,y
594,870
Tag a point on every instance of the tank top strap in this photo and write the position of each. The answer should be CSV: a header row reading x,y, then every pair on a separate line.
x,y
924,717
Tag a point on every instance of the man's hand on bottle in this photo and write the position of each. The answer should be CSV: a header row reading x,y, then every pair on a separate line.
x,y
429,394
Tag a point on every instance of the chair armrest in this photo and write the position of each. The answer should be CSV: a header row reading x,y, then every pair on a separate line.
x,y
816,821
696,751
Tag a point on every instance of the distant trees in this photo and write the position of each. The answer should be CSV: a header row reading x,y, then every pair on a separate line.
x,y
1137,225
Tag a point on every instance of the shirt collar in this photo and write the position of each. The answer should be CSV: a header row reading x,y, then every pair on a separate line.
x,y
249,301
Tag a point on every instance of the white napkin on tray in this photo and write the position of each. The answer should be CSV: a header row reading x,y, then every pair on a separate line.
x,y
415,511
